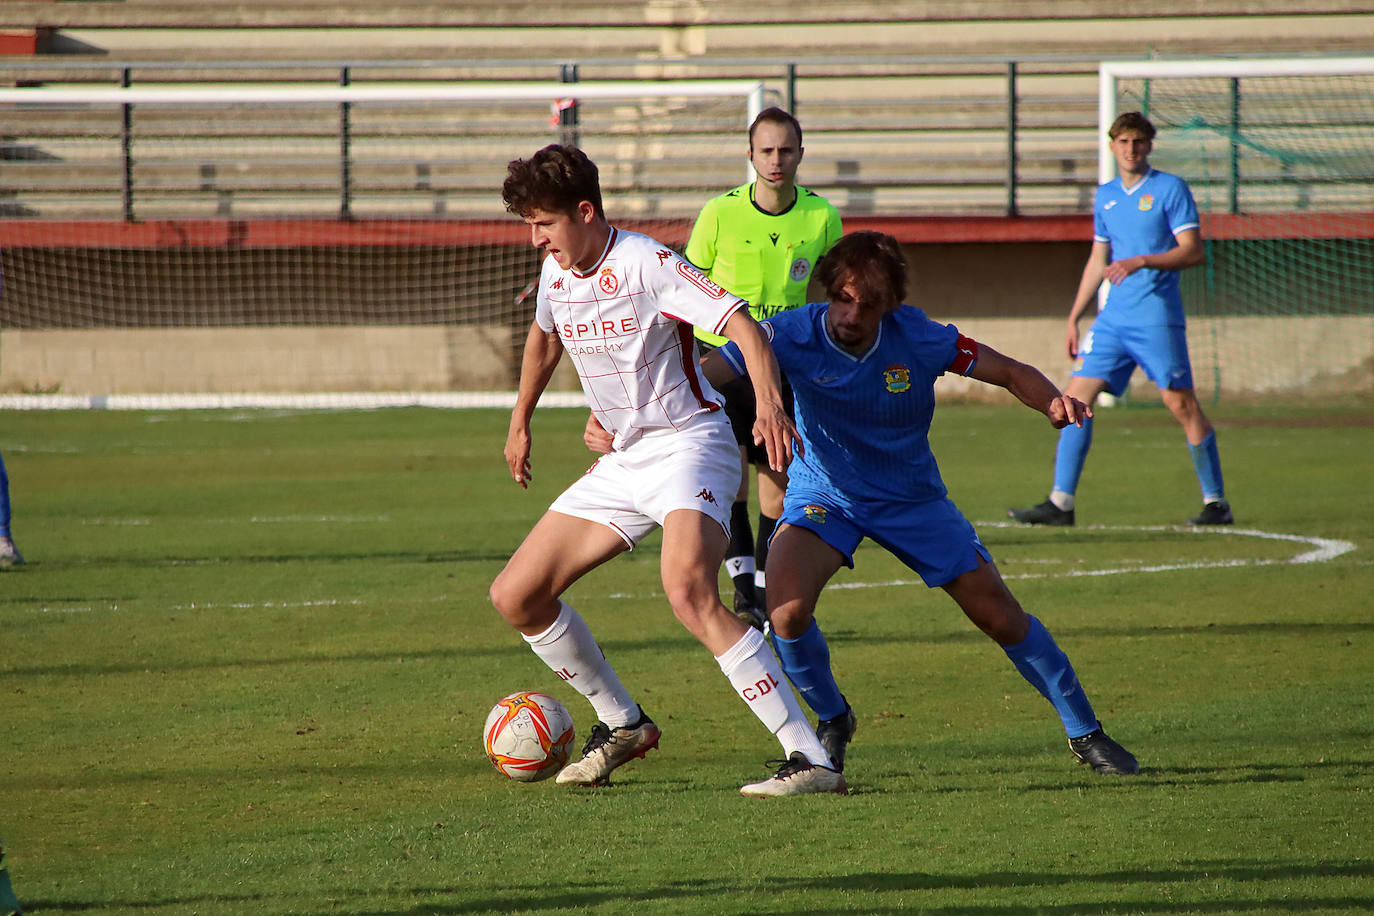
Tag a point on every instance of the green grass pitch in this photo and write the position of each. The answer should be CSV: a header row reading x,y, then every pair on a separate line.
x,y
247,665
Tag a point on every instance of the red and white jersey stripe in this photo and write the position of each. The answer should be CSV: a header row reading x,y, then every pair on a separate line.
x,y
627,325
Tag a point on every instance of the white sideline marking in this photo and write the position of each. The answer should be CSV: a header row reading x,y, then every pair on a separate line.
x,y
342,400
1324,549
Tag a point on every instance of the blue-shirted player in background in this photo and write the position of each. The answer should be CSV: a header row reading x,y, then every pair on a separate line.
x,y
1145,230
9,554
863,368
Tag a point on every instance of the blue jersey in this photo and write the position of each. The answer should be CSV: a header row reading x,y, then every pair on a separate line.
x,y
865,419
1144,220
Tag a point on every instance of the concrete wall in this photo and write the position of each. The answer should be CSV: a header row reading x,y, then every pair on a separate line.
x,y
1329,355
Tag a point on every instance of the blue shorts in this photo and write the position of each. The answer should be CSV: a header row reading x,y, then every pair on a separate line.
x,y
1111,353
932,538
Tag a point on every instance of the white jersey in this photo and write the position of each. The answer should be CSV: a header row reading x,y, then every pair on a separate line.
x,y
627,324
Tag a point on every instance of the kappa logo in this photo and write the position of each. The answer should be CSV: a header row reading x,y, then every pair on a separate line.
x,y
1147,202
897,379
815,513
608,282
707,495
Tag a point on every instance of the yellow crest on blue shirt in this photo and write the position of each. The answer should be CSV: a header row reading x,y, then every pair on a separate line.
x,y
897,379
1146,201
815,513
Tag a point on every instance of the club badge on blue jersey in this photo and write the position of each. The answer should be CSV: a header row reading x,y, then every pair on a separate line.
x,y
897,379
1147,202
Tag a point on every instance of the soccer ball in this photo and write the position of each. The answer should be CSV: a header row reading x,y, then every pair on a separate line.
x,y
528,736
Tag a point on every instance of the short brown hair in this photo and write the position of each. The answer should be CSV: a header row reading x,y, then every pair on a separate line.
x,y
556,179
872,261
775,115
1132,120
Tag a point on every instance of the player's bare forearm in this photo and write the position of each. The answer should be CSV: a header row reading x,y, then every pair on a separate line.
x,y
773,429
1088,284
1030,386
542,353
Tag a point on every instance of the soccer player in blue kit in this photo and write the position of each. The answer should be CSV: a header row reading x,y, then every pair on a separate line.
x,y
863,367
1145,230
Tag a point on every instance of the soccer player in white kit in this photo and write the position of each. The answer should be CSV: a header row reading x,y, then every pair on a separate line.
x,y
623,306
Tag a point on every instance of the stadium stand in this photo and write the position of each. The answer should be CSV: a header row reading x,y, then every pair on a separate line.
x,y
905,106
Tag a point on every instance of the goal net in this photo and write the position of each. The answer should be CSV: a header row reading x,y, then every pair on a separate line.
x,y
1280,156
314,239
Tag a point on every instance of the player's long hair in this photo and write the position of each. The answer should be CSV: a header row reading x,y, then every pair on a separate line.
x,y
556,179
872,261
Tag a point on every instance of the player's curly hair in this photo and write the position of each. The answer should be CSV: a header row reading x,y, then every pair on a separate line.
x,y
556,179
872,261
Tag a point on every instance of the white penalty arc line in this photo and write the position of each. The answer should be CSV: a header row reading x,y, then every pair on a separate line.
x,y
1323,550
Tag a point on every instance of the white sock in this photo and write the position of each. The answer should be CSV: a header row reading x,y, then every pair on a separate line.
x,y
754,673
571,652
1063,500
759,579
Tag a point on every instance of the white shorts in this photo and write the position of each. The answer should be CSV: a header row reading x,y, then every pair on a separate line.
x,y
632,491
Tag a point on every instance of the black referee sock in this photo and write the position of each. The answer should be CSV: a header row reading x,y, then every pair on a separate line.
x,y
739,562
766,526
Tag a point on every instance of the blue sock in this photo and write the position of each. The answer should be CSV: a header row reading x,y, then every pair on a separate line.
x,y
4,500
1207,463
806,662
1047,668
1074,442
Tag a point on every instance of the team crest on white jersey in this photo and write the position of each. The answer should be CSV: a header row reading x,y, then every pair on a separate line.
x,y
608,282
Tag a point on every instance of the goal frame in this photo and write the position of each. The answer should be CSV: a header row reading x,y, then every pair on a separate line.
x,y
752,92
1110,72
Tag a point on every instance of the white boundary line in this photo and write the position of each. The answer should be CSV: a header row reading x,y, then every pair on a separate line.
x,y
1323,550
340,400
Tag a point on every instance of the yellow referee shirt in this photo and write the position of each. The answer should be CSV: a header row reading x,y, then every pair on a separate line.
x,y
764,258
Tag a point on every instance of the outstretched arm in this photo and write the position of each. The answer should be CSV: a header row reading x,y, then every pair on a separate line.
x,y
773,429
1030,387
543,350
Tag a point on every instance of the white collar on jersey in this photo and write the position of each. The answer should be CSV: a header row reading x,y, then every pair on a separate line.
x,y
877,339
1138,185
610,243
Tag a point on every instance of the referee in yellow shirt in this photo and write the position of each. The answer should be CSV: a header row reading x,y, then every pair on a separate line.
x,y
761,241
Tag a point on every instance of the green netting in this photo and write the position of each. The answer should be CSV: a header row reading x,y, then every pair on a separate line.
x,y
1283,172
